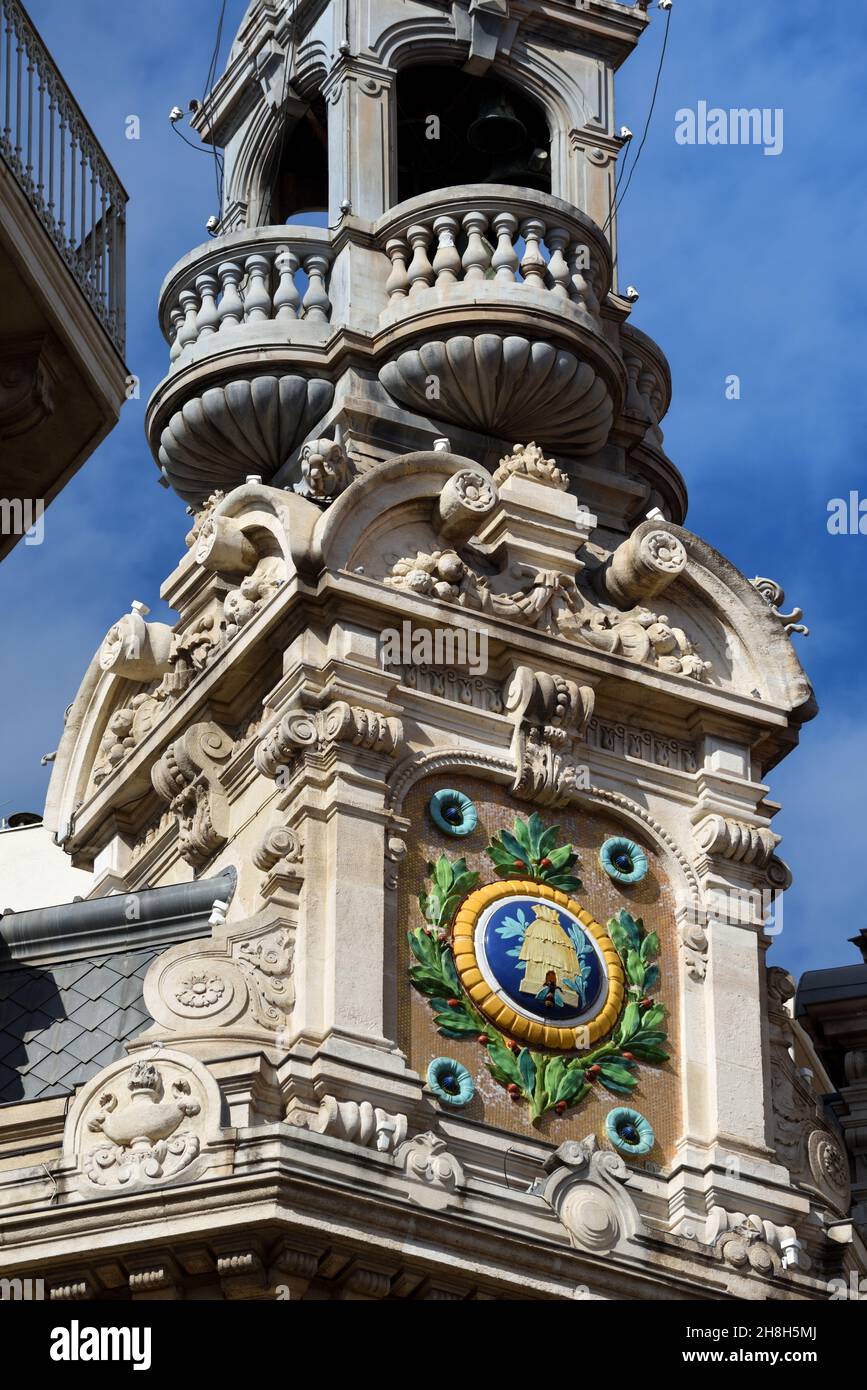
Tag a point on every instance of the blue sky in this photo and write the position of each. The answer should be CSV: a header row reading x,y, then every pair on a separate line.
x,y
746,264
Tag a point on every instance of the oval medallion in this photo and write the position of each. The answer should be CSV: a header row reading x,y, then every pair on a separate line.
x,y
537,965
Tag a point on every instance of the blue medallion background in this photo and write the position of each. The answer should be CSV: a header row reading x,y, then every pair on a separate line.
x,y
501,942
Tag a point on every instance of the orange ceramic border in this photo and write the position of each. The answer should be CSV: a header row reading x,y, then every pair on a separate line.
x,y
501,1014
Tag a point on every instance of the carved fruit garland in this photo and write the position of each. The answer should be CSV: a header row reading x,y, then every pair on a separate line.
x,y
538,874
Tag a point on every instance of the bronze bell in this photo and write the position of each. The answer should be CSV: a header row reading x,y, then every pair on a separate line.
x,y
496,129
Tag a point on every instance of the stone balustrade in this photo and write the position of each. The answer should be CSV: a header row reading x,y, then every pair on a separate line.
x,y
493,243
268,283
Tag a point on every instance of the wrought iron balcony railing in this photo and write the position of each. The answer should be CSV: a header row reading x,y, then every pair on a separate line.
x,y
62,169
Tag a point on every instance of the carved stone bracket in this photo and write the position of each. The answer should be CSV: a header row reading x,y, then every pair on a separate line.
x,y
735,840
188,776
750,1243
435,1176
316,731
550,713
585,1189
642,567
26,386
359,1123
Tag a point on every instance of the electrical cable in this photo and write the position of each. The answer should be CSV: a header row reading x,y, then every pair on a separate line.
x,y
209,82
618,201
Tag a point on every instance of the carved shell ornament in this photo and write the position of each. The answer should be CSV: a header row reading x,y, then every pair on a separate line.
x,y
558,1002
506,386
218,439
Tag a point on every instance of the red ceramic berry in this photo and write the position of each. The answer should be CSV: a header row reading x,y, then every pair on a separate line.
x,y
453,1003
519,866
513,1046
560,1107
628,1057
483,1039
594,1070
514,1090
545,863
645,1002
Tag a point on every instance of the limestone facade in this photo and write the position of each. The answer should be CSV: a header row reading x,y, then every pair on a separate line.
x,y
436,414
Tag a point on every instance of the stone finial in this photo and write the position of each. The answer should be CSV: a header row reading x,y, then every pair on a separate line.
x,y
528,461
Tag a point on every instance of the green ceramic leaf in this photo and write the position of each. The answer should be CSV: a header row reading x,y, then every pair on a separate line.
x,y
651,977
650,946
562,857
652,1035
527,1068
616,1076
504,1058
456,1025
422,946
629,1023
553,1067
569,1085
443,874
425,980
618,936
655,1014
631,928
648,1052
522,834
634,969
515,848
535,831
548,842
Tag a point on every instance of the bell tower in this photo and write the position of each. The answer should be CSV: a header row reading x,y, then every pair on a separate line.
x,y
440,812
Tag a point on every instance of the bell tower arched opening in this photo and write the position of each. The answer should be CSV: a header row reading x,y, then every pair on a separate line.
x,y
456,128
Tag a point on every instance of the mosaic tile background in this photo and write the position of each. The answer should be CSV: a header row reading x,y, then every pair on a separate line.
x,y
657,1092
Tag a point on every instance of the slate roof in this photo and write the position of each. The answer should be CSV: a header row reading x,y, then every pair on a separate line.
x,y
71,980
61,1024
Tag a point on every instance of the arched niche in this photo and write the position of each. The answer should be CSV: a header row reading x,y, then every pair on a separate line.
x,y
455,127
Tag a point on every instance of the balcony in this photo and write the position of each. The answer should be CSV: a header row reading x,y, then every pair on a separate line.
x,y
502,295
62,275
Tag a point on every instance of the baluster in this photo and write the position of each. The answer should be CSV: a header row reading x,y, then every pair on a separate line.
x,y
420,271
100,253
447,261
533,265
177,317
189,331
477,256
19,53
257,300
208,318
61,208
316,304
28,172
40,141
505,258
52,132
557,237
82,240
231,303
7,128
287,300
73,185
582,288
397,284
